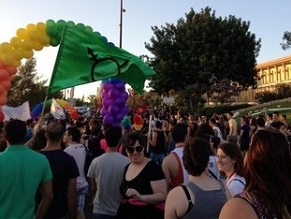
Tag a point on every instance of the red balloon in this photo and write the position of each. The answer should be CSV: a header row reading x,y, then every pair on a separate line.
x,y
1,116
4,74
3,100
11,69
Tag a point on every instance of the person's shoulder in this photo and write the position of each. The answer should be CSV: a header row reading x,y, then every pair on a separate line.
x,y
233,206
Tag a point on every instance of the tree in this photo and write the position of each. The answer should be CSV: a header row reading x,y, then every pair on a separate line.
x,y
286,44
27,86
223,90
92,100
200,47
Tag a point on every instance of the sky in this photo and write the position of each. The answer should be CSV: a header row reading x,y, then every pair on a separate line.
x,y
268,21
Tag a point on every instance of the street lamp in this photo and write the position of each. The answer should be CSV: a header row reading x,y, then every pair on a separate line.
x,y
120,25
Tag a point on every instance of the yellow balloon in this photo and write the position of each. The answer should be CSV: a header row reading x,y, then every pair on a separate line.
x,y
16,63
41,27
27,54
44,40
8,59
18,54
33,35
21,33
37,46
15,42
27,45
30,27
5,48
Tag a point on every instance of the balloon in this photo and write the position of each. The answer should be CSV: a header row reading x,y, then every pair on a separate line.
x,y
118,117
11,69
27,45
107,102
21,33
113,93
107,86
103,111
120,101
108,119
44,40
4,74
124,95
2,89
33,35
120,86
104,94
3,100
15,42
113,110
1,116
61,24
27,53
40,26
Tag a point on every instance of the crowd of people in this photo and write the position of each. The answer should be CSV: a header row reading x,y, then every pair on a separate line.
x,y
174,166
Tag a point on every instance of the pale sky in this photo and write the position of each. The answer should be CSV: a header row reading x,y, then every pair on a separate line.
x,y
268,21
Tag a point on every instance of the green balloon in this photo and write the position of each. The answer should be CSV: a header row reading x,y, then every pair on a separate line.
x,y
70,23
50,23
61,24
54,42
52,31
81,26
89,29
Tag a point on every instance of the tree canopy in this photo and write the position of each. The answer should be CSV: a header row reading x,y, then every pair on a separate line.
x,y
200,47
286,44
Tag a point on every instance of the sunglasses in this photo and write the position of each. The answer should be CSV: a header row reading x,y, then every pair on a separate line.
x,y
131,149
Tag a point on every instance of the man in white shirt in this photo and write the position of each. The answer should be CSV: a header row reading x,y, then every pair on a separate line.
x,y
232,136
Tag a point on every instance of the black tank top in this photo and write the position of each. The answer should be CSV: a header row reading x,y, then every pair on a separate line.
x,y
160,147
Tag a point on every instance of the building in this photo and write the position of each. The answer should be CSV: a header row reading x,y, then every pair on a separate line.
x,y
270,74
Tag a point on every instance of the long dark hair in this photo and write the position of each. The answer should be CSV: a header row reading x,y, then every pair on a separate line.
x,y
268,170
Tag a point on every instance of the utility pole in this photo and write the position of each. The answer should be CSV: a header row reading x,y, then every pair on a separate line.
x,y
121,23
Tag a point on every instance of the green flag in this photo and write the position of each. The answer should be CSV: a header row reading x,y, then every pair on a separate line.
x,y
84,57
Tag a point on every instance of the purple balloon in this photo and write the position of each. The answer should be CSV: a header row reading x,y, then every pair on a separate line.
x,y
104,111
120,86
113,110
119,117
104,94
113,93
120,102
108,119
107,86
124,95
107,102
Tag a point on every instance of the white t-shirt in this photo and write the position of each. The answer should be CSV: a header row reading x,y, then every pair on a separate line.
x,y
232,123
219,134
235,184
77,151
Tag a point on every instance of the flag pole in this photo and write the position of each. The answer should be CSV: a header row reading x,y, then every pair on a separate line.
x,y
149,133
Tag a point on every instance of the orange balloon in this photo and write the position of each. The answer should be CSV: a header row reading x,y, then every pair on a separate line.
x,y
15,42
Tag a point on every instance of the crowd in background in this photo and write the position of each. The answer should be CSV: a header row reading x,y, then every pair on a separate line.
x,y
186,167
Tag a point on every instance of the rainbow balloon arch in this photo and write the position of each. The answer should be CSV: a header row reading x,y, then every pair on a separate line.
x,y
37,36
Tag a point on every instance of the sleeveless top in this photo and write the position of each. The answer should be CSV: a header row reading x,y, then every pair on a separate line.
x,y
258,205
207,203
160,147
182,175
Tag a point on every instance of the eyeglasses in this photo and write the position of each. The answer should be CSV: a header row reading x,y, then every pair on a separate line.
x,y
131,149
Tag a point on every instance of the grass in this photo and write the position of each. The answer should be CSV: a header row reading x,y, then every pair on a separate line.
x,y
281,106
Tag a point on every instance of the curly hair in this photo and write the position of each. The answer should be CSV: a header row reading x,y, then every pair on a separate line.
x,y
196,155
268,170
